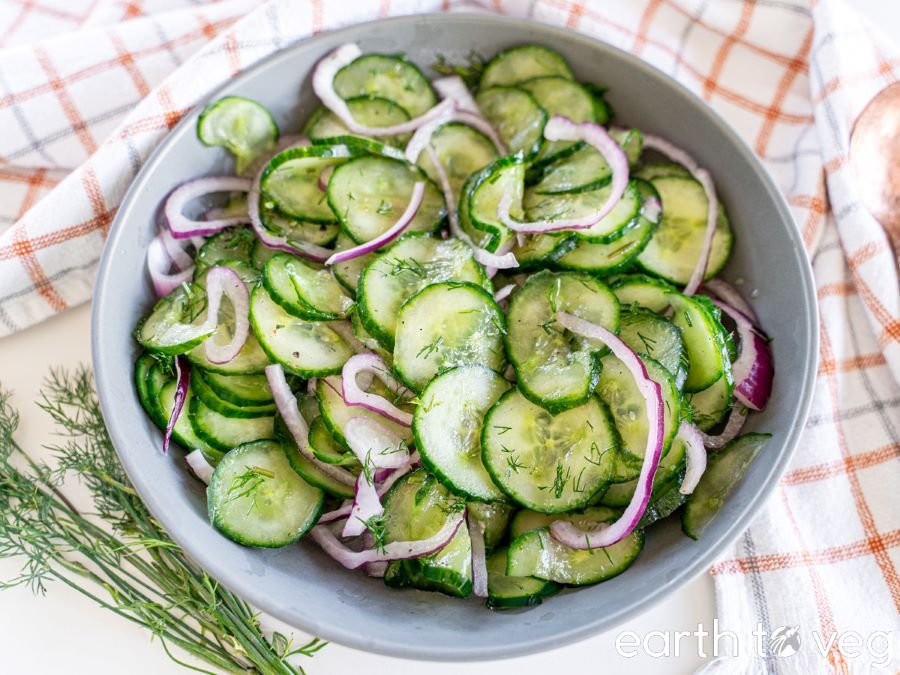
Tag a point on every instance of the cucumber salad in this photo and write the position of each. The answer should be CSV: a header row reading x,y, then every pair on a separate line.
x,y
464,334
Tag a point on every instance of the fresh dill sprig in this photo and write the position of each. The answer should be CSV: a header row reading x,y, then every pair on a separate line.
x,y
431,347
248,484
376,526
470,74
114,552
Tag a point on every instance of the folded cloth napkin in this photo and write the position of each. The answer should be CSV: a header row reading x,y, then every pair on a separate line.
x,y
89,87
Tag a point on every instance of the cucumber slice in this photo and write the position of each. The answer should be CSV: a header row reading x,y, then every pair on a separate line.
x,y
506,592
368,340
305,291
705,345
549,463
542,250
416,260
370,111
246,128
560,96
724,470
446,325
494,518
461,150
256,499
650,334
447,427
160,392
306,469
537,554
249,361
632,142
348,272
664,503
619,391
205,393
225,433
234,243
392,77
290,181
517,117
524,63
638,291
177,322
555,369
261,254
670,466
602,109
662,170
481,195
710,405
369,194
675,247
416,508
582,170
142,368
527,520
304,348
335,413
584,204
321,234
239,389
326,449
245,270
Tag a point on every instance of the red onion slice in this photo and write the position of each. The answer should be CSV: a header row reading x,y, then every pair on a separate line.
x,y
377,569
753,370
504,292
325,177
201,468
702,176
560,128
374,444
454,88
221,280
354,395
479,558
182,382
158,264
737,418
323,85
729,294
175,250
366,505
695,456
397,550
299,430
183,227
388,235
382,489
569,534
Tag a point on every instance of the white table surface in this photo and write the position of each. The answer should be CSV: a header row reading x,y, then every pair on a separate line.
x,y
63,632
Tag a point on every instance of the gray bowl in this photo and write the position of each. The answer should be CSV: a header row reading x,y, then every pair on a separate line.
x,y
302,586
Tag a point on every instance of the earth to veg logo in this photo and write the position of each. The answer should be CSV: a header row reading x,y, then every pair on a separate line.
x,y
785,641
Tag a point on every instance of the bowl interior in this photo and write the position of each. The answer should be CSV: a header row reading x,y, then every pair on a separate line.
x,y
299,584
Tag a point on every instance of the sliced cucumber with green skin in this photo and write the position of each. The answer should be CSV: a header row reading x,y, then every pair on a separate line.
x,y
447,325
290,181
675,248
306,469
481,194
234,243
256,499
304,290
703,340
537,554
360,146
493,517
604,259
556,369
549,463
305,348
326,448
619,494
252,390
205,393
416,508
368,340
517,117
335,413
349,271
507,592
603,110
245,270
632,142
711,405
724,470
261,254
246,128
524,63
250,360
527,520
560,96
649,333
142,368
584,204
392,77
542,250
370,111
662,170
320,234
619,391
177,322
447,428
581,170
369,194
664,503
224,433
461,150
638,291
416,260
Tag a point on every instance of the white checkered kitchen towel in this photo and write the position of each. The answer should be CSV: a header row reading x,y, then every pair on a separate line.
x,y
89,87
